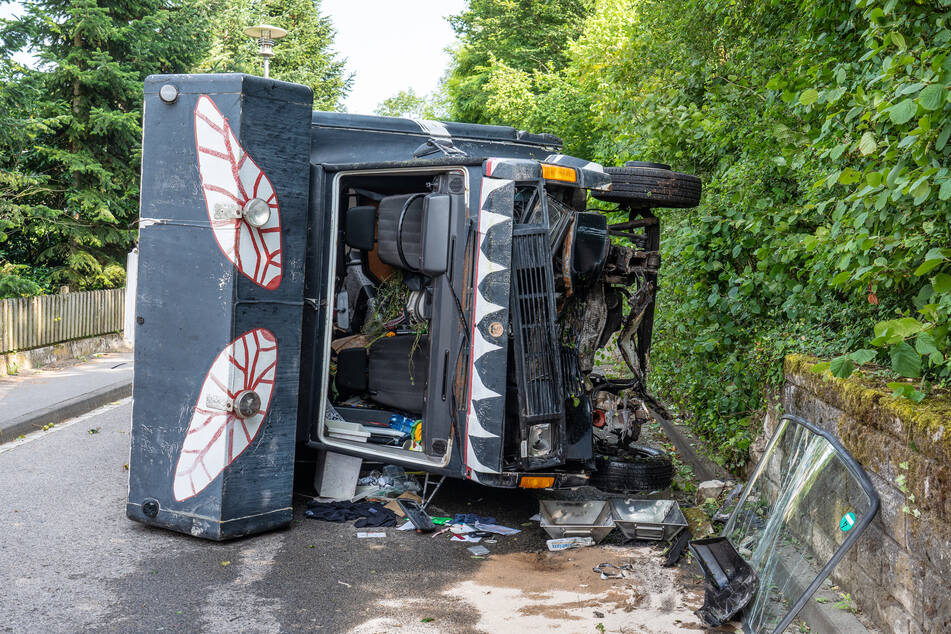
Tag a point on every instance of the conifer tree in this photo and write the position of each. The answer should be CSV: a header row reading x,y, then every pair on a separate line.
x,y
69,170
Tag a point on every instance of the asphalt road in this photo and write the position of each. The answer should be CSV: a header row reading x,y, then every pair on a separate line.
x,y
71,561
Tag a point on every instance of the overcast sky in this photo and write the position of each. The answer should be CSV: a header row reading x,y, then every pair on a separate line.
x,y
390,45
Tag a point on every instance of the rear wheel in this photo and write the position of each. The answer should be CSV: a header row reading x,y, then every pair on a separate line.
x,y
638,469
644,184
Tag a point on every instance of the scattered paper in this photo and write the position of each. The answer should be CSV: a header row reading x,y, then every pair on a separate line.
x,y
408,526
537,517
496,528
569,542
366,535
478,550
460,529
465,538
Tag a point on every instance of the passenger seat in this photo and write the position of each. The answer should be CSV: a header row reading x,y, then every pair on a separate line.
x,y
392,372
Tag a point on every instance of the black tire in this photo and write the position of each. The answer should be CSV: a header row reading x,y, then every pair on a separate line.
x,y
651,185
641,469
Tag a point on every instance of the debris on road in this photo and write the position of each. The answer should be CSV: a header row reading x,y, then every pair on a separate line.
x,y
731,582
366,535
415,514
676,551
711,489
607,570
365,513
470,518
566,543
497,529
654,520
576,519
394,505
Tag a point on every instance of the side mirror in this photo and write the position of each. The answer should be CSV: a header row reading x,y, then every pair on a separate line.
x,y
434,241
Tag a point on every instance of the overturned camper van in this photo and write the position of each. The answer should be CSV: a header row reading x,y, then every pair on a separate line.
x,y
305,278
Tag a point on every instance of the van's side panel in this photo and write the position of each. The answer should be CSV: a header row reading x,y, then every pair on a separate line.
x,y
338,138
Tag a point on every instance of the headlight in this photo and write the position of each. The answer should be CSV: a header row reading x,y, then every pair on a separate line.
x,y
247,404
539,440
256,212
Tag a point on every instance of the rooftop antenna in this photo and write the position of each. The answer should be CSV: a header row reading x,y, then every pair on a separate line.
x,y
265,34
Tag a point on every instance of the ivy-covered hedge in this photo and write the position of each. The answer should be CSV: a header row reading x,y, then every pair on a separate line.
x,y
821,131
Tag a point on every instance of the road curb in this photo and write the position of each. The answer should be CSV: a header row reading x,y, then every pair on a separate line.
x,y
704,468
70,408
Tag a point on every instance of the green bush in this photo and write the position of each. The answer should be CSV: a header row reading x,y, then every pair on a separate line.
x,y
820,129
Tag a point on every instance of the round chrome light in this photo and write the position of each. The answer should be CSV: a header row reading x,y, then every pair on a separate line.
x,y
256,212
247,404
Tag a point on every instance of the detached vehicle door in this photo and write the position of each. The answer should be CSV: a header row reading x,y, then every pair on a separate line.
x,y
222,241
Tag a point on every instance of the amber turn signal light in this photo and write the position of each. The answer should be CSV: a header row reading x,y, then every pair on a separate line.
x,y
536,482
559,173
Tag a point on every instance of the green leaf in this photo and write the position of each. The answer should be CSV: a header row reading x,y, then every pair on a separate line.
x,y
937,252
849,176
897,39
842,367
945,192
874,179
932,97
941,283
861,357
904,327
921,192
867,144
905,390
925,344
943,137
841,278
926,266
903,111
809,96
905,361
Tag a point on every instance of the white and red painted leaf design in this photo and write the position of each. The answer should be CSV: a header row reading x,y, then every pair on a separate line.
x,y
230,178
216,437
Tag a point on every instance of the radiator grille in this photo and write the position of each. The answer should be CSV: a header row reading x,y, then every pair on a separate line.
x,y
537,358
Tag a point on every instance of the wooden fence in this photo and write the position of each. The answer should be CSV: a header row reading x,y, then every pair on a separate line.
x,y
31,322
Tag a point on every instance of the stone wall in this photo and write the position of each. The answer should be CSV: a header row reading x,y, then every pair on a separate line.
x,y
899,573
14,362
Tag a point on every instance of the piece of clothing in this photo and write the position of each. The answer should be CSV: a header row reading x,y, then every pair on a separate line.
x,y
365,513
472,519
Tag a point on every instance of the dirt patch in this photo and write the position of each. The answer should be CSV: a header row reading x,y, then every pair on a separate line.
x,y
560,591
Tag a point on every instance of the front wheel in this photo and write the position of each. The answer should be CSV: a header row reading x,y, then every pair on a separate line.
x,y
651,185
638,469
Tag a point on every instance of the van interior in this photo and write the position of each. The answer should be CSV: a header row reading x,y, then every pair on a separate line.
x,y
394,243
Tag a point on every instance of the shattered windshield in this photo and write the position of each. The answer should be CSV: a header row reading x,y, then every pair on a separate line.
x,y
806,504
